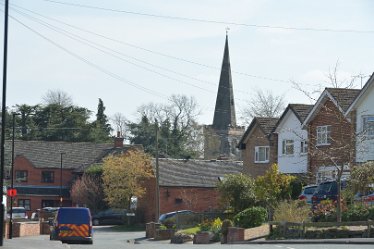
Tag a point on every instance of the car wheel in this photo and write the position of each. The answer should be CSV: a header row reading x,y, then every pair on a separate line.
x,y
96,222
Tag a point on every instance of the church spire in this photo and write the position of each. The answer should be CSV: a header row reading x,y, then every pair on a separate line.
x,y
224,113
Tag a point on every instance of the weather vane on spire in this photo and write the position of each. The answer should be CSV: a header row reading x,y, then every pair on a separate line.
x,y
227,30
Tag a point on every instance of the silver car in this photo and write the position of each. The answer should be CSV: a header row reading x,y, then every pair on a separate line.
x,y
307,193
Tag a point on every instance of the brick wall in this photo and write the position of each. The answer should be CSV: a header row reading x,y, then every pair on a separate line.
x,y
34,178
177,198
341,149
258,138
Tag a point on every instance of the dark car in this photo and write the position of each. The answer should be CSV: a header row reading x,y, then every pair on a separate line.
x,y
72,224
110,217
327,190
166,216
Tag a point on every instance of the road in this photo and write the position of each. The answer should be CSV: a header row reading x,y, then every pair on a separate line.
x,y
105,238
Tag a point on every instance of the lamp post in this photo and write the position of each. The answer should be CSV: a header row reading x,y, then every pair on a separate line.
x,y
61,198
12,178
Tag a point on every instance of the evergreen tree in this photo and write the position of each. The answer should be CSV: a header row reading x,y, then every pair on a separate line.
x,y
100,127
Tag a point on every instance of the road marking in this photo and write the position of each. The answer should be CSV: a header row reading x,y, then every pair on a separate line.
x,y
278,246
290,247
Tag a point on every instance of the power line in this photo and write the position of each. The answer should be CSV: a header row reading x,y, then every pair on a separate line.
x,y
212,21
97,67
96,46
156,52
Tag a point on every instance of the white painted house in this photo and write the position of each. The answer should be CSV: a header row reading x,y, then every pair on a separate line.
x,y
292,139
363,113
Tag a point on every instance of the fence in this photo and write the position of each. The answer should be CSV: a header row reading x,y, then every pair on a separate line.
x,y
300,230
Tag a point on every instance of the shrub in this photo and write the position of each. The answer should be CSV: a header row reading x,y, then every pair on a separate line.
x,y
325,211
292,211
251,217
170,222
206,225
356,213
371,212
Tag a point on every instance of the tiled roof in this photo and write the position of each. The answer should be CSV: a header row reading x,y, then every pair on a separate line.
x,y
301,110
43,190
46,154
267,124
195,173
344,96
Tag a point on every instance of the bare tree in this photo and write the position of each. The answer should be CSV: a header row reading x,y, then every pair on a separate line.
x,y
263,104
58,97
333,79
119,121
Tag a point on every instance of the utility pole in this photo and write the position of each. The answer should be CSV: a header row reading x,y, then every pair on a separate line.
x,y
12,178
157,178
61,198
3,117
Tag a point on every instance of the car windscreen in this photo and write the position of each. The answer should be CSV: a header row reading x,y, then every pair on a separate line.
x,y
73,216
310,191
18,211
325,187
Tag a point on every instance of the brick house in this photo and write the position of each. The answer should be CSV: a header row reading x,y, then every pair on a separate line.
x,y
361,113
331,134
38,176
186,184
259,146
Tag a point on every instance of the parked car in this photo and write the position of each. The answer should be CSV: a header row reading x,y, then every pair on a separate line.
x,y
166,216
72,224
18,213
369,199
110,217
327,190
307,193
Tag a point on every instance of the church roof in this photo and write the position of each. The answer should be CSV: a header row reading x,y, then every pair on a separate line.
x,y
224,113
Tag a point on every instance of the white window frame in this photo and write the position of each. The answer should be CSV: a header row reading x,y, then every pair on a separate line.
x,y
303,147
368,131
257,154
288,147
323,135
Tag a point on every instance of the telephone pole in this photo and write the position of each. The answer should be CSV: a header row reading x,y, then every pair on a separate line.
x,y
157,178
3,116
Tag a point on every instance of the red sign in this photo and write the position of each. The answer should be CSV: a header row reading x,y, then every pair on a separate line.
x,y
12,192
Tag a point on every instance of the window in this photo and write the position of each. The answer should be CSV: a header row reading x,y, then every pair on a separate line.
x,y
24,203
49,203
303,147
368,126
262,154
48,176
324,135
21,176
287,147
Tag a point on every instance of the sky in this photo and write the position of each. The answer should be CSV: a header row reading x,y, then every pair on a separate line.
x,y
131,53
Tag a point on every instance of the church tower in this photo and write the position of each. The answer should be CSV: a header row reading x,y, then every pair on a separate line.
x,y
222,136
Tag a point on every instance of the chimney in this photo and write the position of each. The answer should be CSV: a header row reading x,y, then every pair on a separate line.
x,y
118,140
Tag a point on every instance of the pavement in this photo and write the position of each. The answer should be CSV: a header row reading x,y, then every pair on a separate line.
x,y
32,243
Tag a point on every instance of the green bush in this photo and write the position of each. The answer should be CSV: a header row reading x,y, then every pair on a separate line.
x,y
356,213
371,212
251,217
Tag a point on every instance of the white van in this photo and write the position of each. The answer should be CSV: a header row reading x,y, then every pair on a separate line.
x,y
18,213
